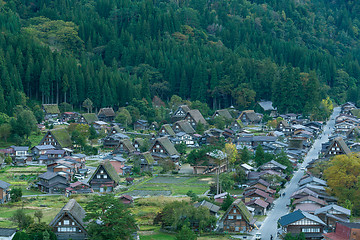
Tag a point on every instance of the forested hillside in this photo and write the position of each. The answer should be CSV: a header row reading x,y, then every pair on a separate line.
x,y
233,52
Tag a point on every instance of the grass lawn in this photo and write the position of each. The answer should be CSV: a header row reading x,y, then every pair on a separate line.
x,y
35,139
158,236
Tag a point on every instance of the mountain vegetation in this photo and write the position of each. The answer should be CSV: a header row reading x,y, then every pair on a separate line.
x,y
222,53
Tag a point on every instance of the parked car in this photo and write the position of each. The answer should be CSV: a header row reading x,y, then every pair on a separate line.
x,y
79,176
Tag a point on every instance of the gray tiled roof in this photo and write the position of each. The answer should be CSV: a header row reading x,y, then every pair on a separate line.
x,y
4,185
7,232
334,207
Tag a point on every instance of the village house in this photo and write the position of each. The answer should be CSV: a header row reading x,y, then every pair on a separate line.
x,y
185,138
194,117
51,111
125,146
41,150
69,117
166,130
183,126
116,129
344,231
273,165
302,222
106,114
104,178
141,125
249,117
52,182
353,133
4,192
214,209
139,144
59,138
88,118
236,125
337,147
257,194
113,140
259,205
180,113
312,180
154,126
7,233
163,148
222,113
69,222
126,199
146,162
237,219
253,141
308,204
79,188
333,213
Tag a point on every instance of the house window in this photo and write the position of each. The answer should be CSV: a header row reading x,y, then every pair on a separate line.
x,y
310,230
231,217
158,146
73,223
234,210
102,171
238,216
161,150
105,176
66,222
98,176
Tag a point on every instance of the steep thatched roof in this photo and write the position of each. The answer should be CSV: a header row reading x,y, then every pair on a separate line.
x,y
110,170
223,113
251,115
90,117
62,136
127,143
73,210
148,157
197,116
167,129
168,146
51,108
108,112
240,205
185,126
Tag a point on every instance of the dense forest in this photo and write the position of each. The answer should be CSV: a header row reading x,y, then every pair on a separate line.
x,y
232,52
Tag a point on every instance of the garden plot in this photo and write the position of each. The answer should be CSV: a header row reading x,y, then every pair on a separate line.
x,y
176,185
144,193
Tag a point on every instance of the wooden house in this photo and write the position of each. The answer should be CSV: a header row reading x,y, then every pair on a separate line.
x,y
4,192
106,114
236,125
146,162
104,178
222,113
249,117
353,133
125,146
139,144
59,138
69,222
116,129
337,147
126,199
163,148
333,213
259,205
166,130
50,110
141,125
273,165
52,182
257,194
344,230
308,204
7,233
302,222
154,126
194,117
88,118
79,187
183,126
214,209
180,113
237,219
113,140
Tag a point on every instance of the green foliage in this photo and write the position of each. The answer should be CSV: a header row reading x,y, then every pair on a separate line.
x,y
300,236
24,124
240,175
181,148
226,181
123,116
8,160
186,234
227,202
176,214
110,219
38,214
5,131
21,219
15,194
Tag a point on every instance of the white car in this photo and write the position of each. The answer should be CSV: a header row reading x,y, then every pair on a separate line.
x,y
79,177
302,169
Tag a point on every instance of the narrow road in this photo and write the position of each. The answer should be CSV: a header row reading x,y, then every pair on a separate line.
x,y
269,226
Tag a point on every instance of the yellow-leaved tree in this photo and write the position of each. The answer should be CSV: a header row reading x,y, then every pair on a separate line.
x,y
231,154
343,177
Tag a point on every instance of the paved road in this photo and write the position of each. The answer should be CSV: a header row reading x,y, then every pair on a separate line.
x,y
269,226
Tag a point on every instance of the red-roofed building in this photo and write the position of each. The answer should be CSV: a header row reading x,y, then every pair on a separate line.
x,y
118,166
79,187
344,231
258,194
126,199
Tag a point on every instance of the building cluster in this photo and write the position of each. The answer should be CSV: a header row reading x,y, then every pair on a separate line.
x,y
314,212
